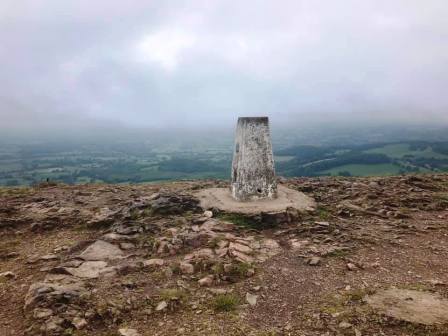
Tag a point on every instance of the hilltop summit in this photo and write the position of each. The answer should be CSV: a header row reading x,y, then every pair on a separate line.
x,y
146,259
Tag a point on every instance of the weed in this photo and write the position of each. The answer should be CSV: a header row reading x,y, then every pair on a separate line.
x,y
238,219
213,243
241,269
323,213
134,214
226,302
171,294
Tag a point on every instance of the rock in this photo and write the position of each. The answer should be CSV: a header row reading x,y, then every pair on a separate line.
x,y
344,325
54,325
8,275
79,322
240,248
116,237
101,250
206,281
56,290
174,204
351,267
42,313
161,306
91,270
186,268
217,225
208,214
270,244
128,332
105,217
242,257
49,257
251,299
153,262
314,261
410,305
127,246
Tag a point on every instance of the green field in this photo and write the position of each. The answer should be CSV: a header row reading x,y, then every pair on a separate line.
x,y
398,151
365,170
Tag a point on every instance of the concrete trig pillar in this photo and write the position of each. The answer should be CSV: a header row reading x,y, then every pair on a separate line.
x,y
253,173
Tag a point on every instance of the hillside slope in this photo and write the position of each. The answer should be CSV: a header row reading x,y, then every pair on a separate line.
x,y
147,260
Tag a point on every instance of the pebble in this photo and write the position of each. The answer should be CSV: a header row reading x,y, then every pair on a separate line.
x,y
161,306
345,325
186,268
351,267
79,322
207,281
251,299
314,261
128,332
153,262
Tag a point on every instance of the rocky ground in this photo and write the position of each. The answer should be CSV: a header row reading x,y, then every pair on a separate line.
x,y
147,260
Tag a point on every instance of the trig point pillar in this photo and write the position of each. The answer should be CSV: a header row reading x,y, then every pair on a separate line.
x,y
253,174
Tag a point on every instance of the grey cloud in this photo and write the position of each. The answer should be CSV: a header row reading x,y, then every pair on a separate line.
x,y
151,63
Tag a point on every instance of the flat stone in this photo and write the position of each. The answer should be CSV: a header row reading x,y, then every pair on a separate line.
x,y
242,257
206,281
251,299
42,313
240,248
410,305
314,261
186,268
161,306
153,262
128,332
79,322
127,246
91,270
49,257
101,250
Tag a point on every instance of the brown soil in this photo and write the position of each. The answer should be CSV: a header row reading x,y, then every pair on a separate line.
x,y
368,234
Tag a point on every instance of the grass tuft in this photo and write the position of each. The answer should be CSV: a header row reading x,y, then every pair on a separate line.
x,y
225,302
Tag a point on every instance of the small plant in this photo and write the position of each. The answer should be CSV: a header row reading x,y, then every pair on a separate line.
x,y
241,269
323,213
225,302
213,243
238,220
134,214
218,268
172,294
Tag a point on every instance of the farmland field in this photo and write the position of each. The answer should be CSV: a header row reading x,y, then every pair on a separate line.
x,y
364,170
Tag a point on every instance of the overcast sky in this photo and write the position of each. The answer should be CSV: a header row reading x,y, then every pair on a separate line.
x,y
152,63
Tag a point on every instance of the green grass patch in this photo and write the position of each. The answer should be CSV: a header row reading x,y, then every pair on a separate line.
x,y
225,302
171,294
398,151
382,169
323,213
239,220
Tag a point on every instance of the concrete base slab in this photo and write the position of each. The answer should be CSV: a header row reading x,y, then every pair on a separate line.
x,y
221,199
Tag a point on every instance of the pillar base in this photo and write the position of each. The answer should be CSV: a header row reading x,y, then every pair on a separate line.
x,y
221,199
